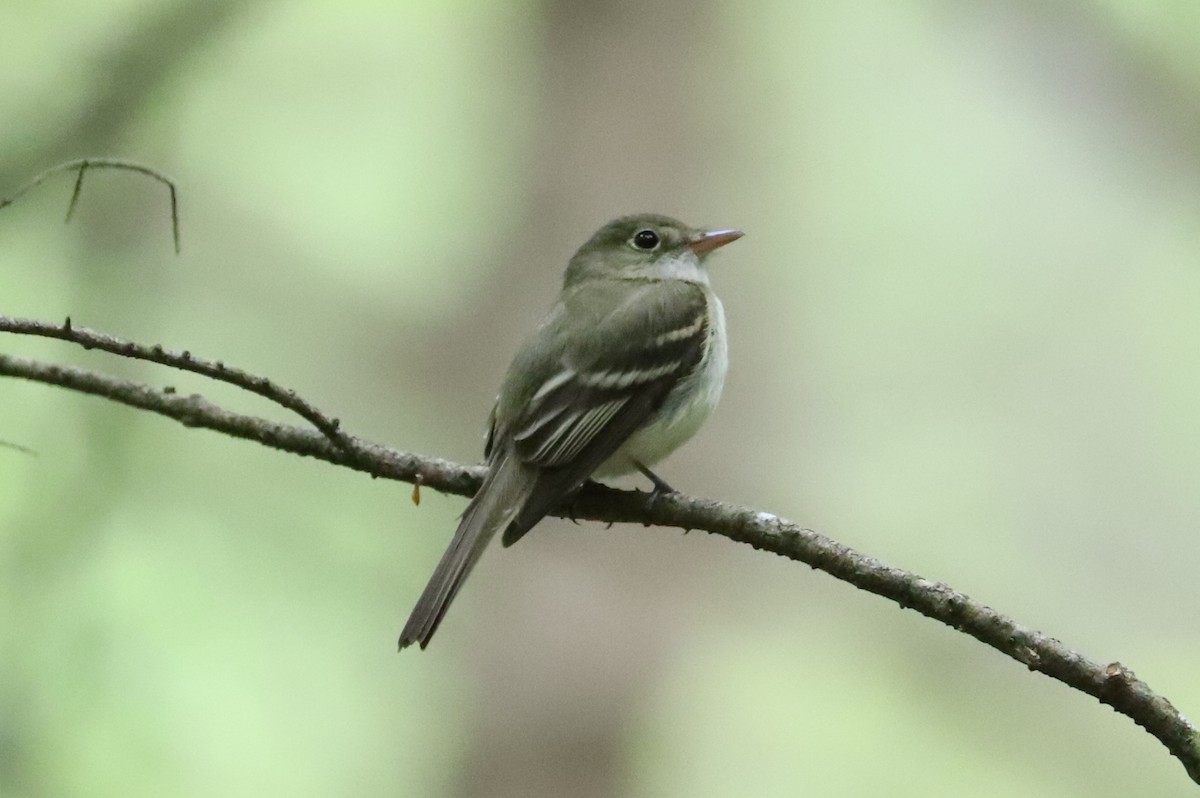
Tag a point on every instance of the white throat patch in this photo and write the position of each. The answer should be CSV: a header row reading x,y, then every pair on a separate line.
x,y
683,267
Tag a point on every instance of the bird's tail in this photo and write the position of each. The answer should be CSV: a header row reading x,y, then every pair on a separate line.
x,y
498,501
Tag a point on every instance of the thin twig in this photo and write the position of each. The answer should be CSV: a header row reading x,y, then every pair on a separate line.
x,y
16,447
82,165
184,361
1112,684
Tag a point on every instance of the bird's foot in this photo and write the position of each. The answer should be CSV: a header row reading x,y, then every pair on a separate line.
x,y
587,483
661,488
660,484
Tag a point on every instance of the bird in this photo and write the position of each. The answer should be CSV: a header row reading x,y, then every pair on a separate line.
x,y
625,367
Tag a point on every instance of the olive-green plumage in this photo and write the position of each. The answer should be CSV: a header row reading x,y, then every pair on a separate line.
x,y
624,368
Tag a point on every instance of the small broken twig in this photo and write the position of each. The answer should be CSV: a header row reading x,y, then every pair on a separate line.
x,y
82,165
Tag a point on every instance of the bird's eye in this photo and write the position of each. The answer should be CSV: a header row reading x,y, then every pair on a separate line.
x,y
645,239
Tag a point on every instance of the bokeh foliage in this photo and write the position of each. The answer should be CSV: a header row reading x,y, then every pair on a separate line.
x,y
964,338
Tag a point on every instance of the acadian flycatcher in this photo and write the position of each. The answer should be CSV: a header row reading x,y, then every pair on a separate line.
x,y
626,367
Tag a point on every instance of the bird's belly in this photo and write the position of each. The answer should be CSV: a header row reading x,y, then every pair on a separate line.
x,y
686,408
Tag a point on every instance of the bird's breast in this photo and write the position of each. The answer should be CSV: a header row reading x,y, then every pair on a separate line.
x,y
686,407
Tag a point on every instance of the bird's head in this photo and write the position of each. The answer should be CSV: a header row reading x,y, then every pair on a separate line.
x,y
646,246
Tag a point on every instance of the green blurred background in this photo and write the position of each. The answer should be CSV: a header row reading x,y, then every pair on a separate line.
x,y
964,336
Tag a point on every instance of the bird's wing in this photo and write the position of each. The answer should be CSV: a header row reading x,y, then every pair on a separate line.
x,y
626,351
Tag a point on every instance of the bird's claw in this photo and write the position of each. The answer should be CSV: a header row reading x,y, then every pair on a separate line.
x,y
660,484
587,483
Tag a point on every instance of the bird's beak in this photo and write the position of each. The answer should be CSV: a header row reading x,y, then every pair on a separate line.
x,y
703,243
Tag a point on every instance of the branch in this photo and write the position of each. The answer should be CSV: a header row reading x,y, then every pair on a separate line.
x,y
82,165
1111,684
184,361
16,447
